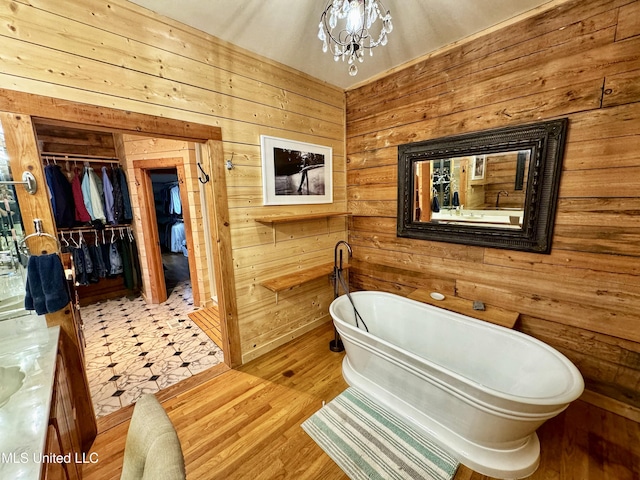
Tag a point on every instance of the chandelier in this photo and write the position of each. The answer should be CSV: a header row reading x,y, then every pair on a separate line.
x,y
349,27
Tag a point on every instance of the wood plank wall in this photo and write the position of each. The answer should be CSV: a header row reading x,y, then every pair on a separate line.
x,y
579,59
116,54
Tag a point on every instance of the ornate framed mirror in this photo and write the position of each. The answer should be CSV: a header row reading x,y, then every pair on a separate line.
x,y
494,188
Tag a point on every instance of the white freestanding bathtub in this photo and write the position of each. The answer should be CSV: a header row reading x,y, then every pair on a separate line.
x,y
478,389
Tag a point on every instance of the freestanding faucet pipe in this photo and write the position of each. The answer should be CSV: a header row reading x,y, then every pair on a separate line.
x,y
501,192
336,345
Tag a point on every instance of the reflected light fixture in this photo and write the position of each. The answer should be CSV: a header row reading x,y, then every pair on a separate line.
x,y
349,27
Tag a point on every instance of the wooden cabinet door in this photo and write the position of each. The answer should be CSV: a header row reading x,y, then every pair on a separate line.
x,y
62,437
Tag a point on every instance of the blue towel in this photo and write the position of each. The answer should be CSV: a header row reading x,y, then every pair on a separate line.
x,y
456,199
435,205
46,291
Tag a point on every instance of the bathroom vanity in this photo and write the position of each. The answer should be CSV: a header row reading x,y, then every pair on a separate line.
x,y
39,438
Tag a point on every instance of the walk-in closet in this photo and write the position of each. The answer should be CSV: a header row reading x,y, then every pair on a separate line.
x,y
135,341
171,229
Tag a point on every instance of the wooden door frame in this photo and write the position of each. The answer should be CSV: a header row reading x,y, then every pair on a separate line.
x,y
142,172
55,111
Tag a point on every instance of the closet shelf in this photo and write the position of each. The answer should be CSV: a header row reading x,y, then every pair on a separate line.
x,y
295,279
277,219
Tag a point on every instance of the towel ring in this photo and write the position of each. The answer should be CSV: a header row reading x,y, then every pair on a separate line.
x,y
37,223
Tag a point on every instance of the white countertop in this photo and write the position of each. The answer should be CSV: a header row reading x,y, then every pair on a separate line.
x,y
27,342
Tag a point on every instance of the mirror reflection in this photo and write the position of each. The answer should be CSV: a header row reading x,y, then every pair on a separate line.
x,y
494,188
13,255
482,190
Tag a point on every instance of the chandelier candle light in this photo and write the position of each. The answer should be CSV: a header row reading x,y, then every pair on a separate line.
x,y
348,27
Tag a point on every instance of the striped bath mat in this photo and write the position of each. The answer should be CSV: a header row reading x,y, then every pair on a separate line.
x,y
369,442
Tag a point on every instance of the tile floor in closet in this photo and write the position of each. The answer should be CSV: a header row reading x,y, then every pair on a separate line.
x,y
135,348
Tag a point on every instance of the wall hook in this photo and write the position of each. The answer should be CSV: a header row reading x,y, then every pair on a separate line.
x,y
206,177
229,163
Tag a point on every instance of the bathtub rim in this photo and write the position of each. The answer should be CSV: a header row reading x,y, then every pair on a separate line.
x,y
461,395
571,393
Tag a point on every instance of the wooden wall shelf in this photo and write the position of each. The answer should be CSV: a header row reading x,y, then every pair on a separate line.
x,y
297,278
276,219
273,219
493,314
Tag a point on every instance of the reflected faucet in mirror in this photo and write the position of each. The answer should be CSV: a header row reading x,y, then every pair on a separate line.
x,y
501,192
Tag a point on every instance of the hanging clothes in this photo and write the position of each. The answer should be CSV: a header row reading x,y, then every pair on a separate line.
x,y
83,263
107,189
81,214
87,260
137,275
118,199
128,214
99,269
115,259
82,277
105,249
61,196
130,262
175,204
178,238
92,195
127,264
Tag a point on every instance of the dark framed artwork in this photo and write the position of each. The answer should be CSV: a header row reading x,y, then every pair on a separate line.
x,y
295,173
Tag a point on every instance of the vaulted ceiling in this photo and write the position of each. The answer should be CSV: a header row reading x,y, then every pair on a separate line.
x,y
287,30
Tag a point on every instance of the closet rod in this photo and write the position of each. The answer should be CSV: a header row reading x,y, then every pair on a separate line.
x,y
91,229
75,156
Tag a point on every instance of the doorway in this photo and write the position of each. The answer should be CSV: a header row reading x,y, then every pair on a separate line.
x,y
165,222
171,228
21,111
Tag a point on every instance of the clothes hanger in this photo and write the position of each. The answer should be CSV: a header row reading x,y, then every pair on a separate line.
x,y
64,240
76,245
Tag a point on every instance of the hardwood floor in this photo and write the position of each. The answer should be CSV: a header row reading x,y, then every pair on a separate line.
x,y
245,424
208,319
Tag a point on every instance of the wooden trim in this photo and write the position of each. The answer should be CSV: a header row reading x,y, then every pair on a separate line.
x,y
53,111
612,405
181,388
159,163
188,232
151,241
219,225
22,148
